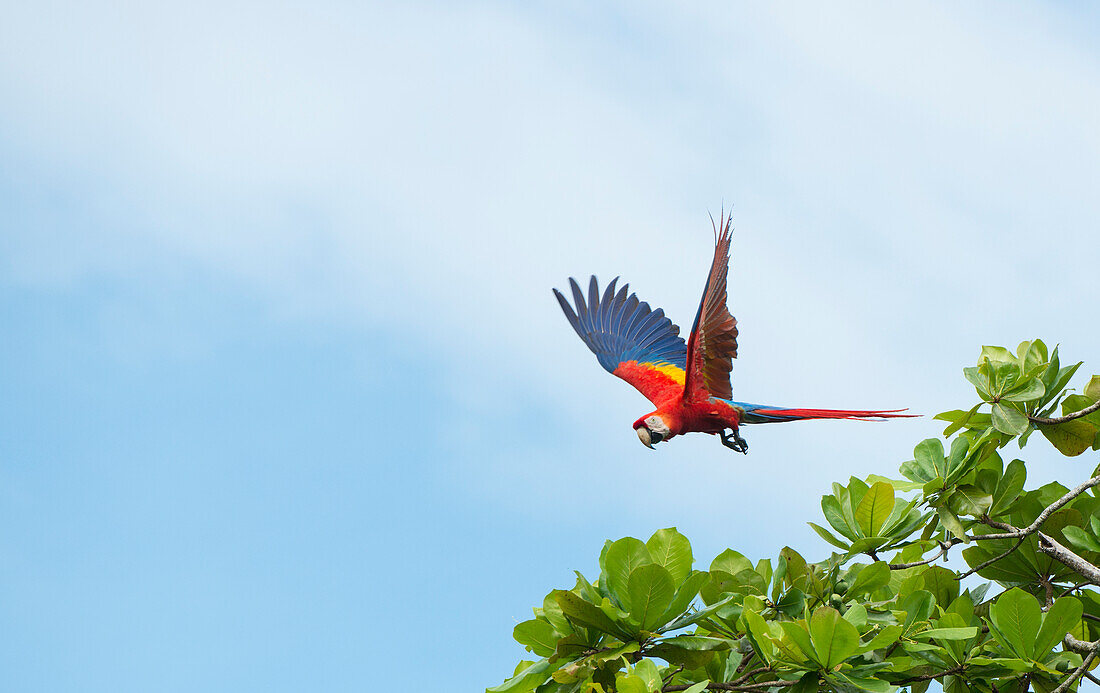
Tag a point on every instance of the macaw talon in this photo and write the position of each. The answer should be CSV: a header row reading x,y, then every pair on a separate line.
x,y
734,441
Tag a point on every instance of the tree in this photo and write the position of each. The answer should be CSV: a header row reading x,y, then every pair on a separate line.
x,y
858,621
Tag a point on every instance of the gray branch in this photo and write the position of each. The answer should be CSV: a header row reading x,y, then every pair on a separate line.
x,y
1095,406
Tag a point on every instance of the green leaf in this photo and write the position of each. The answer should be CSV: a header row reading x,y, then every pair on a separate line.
x,y
979,380
647,671
1092,390
829,536
528,679
629,683
672,550
951,522
792,602
834,639
918,606
651,590
858,683
586,614
1081,540
1016,618
869,579
685,593
1070,438
958,419
1009,487
537,635
949,633
970,500
830,506
885,637
698,687
620,560
1008,420
929,456
874,508
697,643
731,562
797,633
997,355
1025,391
1063,615
941,582
759,633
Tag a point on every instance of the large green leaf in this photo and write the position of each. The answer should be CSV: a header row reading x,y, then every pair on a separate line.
x,y
672,550
651,591
1008,487
834,639
830,506
874,508
796,632
731,562
1080,539
960,633
1092,389
585,613
1070,438
537,635
970,500
869,579
528,679
1016,618
829,537
1063,615
685,593
1007,419
620,560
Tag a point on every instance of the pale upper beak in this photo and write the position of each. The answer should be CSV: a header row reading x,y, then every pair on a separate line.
x,y
647,438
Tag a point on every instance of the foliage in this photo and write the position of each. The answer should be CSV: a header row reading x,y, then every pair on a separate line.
x,y
857,621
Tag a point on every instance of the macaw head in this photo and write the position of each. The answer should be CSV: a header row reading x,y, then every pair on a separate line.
x,y
652,429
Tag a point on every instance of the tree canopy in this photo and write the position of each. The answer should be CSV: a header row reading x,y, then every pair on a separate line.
x,y
878,613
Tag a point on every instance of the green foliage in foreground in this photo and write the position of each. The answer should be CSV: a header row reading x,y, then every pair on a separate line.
x,y
860,620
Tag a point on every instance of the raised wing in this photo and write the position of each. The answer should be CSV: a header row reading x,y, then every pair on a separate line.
x,y
632,341
712,344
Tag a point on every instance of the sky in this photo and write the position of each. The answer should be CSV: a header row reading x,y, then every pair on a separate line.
x,y
286,402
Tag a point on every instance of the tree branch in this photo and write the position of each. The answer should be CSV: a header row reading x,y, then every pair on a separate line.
x,y
1047,512
732,687
1069,559
991,561
1095,406
944,546
1072,678
928,677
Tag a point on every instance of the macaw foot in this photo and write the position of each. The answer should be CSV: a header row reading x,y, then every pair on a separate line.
x,y
734,441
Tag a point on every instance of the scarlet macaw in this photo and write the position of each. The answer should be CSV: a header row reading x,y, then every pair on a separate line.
x,y
688,383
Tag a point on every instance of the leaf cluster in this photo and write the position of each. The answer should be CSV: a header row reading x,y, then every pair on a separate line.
x,y
859,620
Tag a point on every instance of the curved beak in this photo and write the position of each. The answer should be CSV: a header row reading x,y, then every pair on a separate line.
x,y
643,435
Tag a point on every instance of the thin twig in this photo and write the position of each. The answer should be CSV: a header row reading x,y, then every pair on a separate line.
x,y
1095,406
712,686
929,677
944,546
985,564
746,677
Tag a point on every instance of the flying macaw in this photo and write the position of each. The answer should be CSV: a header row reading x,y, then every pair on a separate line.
x,y
688,383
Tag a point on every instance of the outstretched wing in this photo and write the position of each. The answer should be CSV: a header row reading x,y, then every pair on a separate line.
x,y
632,341
712,344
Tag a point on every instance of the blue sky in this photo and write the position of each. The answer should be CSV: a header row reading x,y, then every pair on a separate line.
x,y
285,400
